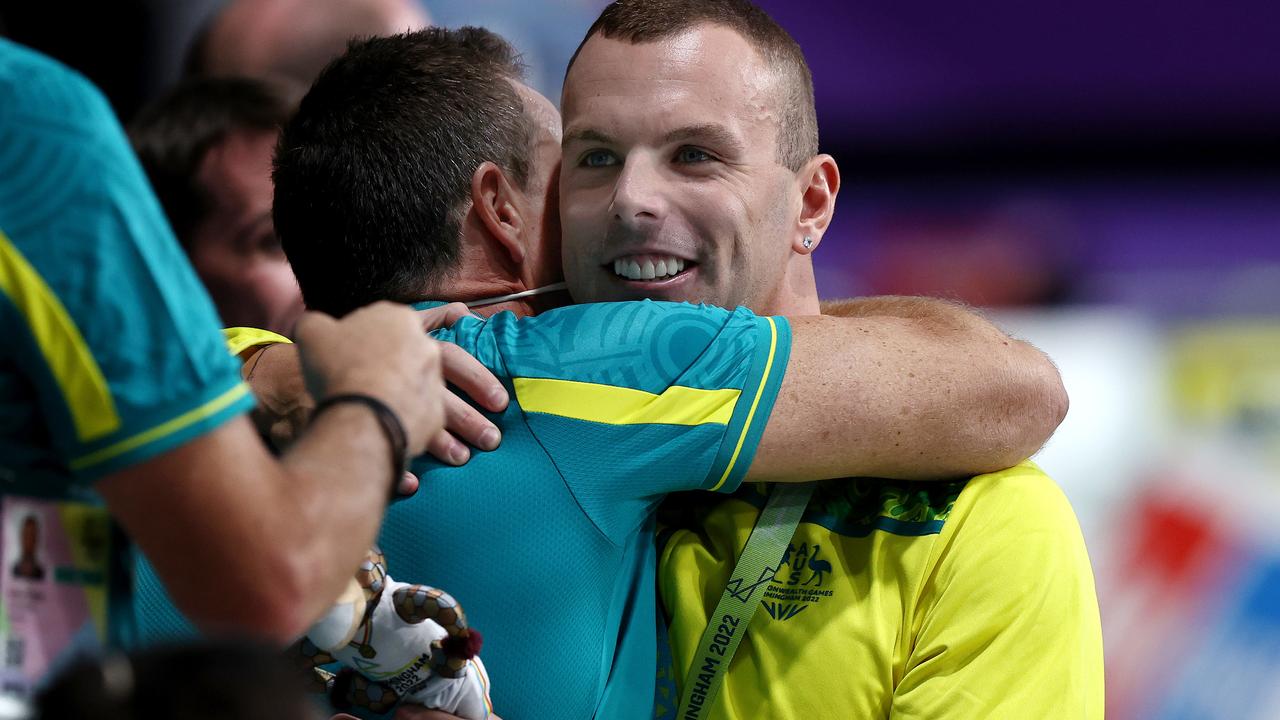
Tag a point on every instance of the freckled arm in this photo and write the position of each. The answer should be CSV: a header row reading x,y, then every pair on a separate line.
x,y
906,388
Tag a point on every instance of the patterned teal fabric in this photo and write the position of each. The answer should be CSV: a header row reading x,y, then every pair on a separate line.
x,y
547,542
111,352
75,205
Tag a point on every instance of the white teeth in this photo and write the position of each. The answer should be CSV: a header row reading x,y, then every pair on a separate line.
x,y
648,269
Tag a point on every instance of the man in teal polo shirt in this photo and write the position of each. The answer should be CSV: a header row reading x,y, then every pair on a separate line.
x,y
115,386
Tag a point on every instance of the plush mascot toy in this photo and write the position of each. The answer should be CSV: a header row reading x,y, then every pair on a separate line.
x,y
403,642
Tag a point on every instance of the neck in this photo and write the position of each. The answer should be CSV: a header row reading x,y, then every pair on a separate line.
x,y
796,293
526,306
490,269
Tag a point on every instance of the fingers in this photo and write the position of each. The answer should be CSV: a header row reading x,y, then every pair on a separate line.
x,y
469,425
408,485
462,424
472,378
433,395
446,448
443,316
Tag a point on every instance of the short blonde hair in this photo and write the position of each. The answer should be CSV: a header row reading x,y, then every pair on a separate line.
x,y
640,21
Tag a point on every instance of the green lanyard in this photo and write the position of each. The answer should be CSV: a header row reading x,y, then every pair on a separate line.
x,y
760,559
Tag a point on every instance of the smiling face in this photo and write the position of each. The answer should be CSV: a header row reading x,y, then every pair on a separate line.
x,y
670,186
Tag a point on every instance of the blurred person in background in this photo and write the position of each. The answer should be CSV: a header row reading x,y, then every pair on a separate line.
x,y
293,39
120,402
206,147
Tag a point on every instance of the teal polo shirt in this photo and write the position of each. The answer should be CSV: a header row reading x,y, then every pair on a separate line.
x,y
548,541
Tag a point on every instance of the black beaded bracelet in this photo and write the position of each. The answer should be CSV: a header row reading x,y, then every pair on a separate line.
x,y
391,427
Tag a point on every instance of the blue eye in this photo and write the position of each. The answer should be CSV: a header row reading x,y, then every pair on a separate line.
x,y
598,159
692,155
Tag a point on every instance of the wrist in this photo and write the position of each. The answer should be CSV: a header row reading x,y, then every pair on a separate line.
x,y
389,423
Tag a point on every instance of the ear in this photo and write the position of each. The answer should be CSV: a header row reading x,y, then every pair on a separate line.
x,y
819,183
501,208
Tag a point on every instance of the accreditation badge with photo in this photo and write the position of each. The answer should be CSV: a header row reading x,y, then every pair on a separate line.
x,y
54,587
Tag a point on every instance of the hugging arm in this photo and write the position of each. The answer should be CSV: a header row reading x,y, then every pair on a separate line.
x,y
906,388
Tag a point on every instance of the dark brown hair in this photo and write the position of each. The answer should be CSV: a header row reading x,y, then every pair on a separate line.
x,y
641,21
173,134
373,173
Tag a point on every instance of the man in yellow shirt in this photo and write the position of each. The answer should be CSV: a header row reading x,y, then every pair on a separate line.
x,y
689,130
928,600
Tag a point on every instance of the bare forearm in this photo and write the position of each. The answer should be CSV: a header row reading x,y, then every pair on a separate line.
x,y
339,479
907,388
1017,391
245,544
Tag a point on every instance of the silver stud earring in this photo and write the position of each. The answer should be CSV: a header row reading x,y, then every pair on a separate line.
x,y
808,242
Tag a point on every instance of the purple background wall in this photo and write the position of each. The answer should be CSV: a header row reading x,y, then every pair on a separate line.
x,y
926,70
1080,152
1004,153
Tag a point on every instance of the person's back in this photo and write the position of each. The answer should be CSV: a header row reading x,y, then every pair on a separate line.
x,y
547,542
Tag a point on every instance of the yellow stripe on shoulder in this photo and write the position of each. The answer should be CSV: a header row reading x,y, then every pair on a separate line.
x,y
67,355
164,429
751,414
613,405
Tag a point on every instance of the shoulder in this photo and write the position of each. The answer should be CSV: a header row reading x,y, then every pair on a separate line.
x,y
1016,525
23,69
66,167
39,94
1022,496
624,317
644,345
619,321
